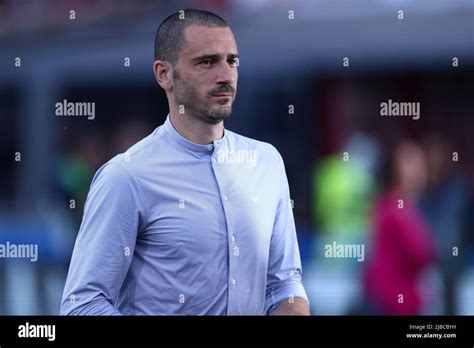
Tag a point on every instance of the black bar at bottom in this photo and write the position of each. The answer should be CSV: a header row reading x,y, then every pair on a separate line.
x,y
348,330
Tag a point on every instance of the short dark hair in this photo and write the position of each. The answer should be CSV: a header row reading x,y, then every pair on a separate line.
x,y
169,37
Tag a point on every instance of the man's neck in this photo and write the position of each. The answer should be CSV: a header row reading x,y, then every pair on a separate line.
x,y
196,130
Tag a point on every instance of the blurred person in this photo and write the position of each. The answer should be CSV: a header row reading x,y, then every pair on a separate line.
x,y
178,224
343,189
402,248
445,204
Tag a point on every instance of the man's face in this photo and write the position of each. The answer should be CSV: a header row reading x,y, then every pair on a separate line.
x,y
205,75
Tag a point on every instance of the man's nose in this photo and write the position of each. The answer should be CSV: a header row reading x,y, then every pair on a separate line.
x,y
226,74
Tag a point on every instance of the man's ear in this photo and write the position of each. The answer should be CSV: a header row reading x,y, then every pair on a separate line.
x,y
162,70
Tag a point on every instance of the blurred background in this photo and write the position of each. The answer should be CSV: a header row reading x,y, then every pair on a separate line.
x,y
312,77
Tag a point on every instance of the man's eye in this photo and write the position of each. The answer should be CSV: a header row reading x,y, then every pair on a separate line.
x,y
234,62
206,62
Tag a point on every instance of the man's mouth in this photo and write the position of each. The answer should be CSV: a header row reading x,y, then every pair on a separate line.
x,y
222,95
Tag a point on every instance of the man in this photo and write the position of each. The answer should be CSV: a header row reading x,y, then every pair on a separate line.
x,y
193,219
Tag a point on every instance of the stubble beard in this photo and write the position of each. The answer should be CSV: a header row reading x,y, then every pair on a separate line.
x,y
187,96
